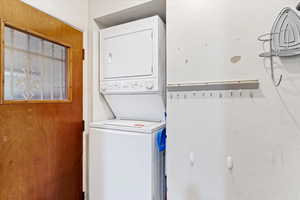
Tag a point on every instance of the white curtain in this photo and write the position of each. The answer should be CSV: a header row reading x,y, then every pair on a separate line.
x,y
35,69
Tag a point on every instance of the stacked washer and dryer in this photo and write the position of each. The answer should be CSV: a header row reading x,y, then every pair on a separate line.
x,y
126,158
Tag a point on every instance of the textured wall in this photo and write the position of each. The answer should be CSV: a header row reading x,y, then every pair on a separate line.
x,y
213,41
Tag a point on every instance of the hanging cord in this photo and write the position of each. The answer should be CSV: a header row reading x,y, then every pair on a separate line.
x,y
297,124
288,110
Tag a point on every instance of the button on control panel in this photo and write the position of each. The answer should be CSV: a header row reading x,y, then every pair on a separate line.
x,y
149,85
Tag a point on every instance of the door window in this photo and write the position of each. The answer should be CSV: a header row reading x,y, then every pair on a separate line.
x,y
35,68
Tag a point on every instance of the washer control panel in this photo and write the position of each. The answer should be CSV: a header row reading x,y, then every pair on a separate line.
x,y
129,86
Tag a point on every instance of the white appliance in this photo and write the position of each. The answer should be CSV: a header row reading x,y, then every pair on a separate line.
x,y
132,69
124,161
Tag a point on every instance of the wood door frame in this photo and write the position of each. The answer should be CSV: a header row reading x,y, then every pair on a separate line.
x,y
3,24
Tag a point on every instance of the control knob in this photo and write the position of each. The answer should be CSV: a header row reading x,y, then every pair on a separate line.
x,y
149,85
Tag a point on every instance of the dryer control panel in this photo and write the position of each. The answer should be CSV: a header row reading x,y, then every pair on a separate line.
x,y
130,86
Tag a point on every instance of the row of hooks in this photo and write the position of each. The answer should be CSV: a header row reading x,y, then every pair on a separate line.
x,y
215,94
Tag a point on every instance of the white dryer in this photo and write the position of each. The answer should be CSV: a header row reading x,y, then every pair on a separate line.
x,y
133,69
125,162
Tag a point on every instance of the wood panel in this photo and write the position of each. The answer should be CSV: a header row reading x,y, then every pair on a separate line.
x,y
41,144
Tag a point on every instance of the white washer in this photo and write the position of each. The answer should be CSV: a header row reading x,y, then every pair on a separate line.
x,y
124,161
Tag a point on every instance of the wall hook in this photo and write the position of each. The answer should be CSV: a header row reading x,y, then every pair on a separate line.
x,y
251,95
273,52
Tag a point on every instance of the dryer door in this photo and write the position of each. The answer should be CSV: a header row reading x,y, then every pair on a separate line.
x,y
128,55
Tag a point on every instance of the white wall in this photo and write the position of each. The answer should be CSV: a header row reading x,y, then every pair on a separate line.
x,y
260,133
73,12
99,8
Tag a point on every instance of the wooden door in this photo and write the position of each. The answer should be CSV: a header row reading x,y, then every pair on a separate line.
x,y
41,141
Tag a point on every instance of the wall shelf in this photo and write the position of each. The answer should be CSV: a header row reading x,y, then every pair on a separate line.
x,y
217,85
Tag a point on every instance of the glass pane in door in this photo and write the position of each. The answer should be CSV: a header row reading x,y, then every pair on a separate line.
x,y
35,68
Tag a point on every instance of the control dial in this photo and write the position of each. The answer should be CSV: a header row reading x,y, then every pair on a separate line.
x,y
149,85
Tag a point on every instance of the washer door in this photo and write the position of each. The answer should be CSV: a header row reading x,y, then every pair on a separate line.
x,y
120,165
